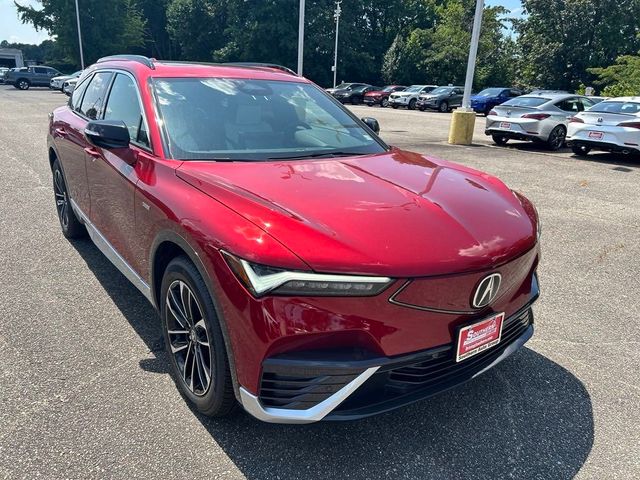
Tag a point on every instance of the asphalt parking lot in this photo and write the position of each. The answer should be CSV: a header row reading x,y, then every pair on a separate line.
x,y
85,393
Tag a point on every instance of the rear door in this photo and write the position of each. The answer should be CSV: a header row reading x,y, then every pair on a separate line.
x,y
40,76
113,174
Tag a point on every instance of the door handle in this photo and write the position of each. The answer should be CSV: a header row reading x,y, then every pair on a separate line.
x,y
92,152
61,131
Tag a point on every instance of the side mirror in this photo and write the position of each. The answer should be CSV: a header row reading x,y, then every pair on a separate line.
x,y
107,133
372,123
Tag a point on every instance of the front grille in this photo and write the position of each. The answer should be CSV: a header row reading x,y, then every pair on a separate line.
x,y
431,372
301,381
442,365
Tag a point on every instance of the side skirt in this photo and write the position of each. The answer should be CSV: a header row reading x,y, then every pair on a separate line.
x,y
114,257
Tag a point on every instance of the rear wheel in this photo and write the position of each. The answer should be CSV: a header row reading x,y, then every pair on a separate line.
x,y
444,107
500,140
71,226
193,339
412,104
580,150
556,138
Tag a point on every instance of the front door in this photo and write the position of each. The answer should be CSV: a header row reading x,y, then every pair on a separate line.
x,y
111,173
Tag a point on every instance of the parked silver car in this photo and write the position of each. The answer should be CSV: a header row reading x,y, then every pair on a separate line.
x,y
56,83
540,117
409,96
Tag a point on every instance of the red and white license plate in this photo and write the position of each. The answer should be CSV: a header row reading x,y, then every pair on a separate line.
x,y
479,337
505,125
596,135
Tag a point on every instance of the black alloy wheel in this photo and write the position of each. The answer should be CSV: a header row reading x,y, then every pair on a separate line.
x,y
500,140
581,150
188,338
556,138
71,226
194,341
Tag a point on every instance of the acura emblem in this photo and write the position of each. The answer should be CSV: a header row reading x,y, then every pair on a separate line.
x,y
600,120
487,290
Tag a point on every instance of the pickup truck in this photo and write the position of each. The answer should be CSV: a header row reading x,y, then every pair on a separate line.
x,y
25,77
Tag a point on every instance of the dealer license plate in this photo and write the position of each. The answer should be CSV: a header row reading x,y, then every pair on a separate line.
x,y
505,125
479,337
596,135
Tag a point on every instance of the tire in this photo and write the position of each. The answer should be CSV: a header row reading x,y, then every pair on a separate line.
x,y
395,107
422,109
443,107
384,103
71,226
201,352
500,140
412,104
556,138
369,104
581,150
22,84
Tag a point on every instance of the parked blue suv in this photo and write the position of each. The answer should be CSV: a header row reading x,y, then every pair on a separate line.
x,y
488,98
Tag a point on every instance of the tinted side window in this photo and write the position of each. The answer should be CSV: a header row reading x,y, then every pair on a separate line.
x,y
76,96
40,70
570,105
91,106
123,105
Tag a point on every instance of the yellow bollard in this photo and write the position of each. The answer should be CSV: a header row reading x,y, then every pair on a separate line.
x,y
462,124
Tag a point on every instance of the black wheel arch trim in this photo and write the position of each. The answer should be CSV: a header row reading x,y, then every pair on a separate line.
x,y
195,257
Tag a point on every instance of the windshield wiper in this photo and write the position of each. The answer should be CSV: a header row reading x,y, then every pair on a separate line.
x,y
319,155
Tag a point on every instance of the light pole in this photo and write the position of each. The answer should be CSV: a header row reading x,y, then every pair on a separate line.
x,y
300,37
79,36
463,119
335,54
473,52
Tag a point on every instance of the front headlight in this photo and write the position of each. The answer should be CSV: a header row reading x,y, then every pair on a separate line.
x,y
261,280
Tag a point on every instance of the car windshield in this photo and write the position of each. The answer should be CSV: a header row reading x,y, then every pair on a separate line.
x,y
389,89
628,108
440,90
414,88
490,92
255,120
359,88
526,102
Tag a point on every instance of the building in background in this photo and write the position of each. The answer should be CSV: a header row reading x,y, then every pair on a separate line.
x,y
11,57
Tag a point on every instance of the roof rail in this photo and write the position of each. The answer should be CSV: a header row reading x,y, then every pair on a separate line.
x,y
261,65
146,61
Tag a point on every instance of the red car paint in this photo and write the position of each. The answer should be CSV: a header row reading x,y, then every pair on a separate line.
x,y
376,97
435,227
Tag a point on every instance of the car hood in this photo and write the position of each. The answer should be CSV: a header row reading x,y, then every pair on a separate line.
x,y
396,214
404,94
62,77
481,99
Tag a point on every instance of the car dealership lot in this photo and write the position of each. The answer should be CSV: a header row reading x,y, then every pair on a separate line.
x,y
84,389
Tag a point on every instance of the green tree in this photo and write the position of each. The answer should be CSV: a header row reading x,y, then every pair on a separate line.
x,y
620,79
107,27
560,40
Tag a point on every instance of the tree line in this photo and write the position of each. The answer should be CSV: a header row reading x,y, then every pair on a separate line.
x,y
558,44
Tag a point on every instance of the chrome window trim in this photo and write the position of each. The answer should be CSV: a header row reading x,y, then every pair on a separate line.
x,y
252,405
112,254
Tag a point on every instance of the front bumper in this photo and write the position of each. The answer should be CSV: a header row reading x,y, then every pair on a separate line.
x,y
402,101
372,100
311,386
432,104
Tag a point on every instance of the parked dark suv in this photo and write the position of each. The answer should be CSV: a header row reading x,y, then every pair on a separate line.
x,y
25,77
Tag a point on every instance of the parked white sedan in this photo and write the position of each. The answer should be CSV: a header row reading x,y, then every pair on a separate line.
x,y
612,125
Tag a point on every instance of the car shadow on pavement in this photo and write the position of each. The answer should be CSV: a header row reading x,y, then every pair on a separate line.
x,y
528,418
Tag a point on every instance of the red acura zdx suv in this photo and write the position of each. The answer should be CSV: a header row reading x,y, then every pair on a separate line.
x,y
300,266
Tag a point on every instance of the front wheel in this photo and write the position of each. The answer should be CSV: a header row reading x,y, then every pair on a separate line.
x,y
412,104
444,107
500,140
71,226
394,107
580,150
194,341
556,138
23,84
384,103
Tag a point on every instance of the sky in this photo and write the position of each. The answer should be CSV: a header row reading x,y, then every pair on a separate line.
x,y
12,30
